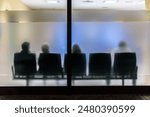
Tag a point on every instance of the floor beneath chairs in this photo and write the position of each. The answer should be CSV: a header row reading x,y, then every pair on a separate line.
x,y
74,97
7,80
74,83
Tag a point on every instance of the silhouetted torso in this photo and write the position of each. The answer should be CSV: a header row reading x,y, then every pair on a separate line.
x,y
49,63
25,63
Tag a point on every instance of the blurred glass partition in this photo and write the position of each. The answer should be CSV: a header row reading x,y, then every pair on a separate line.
x,y
104,37
98,33
38,26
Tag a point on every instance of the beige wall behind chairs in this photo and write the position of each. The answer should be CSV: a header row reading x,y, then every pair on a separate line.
x,y
147,4
12,5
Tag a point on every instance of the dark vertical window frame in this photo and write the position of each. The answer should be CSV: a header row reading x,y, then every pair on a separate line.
x,y
69,38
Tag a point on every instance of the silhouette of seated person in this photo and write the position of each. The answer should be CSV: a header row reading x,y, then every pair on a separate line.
x,y
122,48
78,60
25,61
49,63
43,59
125,64
76,49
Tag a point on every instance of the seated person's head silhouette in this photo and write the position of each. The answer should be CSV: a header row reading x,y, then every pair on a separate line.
x,y
122,44
122,48
25,47
45,48
76,49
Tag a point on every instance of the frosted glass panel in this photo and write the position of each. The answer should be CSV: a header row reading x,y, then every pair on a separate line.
x,y
104,37
12,35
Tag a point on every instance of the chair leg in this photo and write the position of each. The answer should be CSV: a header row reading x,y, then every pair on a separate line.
x,y
44,82
134,82
108,82
57,82
108,79
13,74
27,82
123,82
73,82
62,76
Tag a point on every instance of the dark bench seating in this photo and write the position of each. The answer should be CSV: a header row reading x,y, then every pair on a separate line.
x,y
78,65
25,67
50,65
99,67
124,67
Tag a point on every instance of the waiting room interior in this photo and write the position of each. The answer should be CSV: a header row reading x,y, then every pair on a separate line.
x,y
96,28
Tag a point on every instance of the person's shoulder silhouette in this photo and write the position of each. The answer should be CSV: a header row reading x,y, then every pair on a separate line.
x,y
25,54
25,62
43,59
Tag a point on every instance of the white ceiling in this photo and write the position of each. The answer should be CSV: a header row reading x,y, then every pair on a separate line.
x,y
46,4
87,4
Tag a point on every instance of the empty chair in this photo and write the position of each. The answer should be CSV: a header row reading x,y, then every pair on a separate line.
x,y
78,64
50,64
24,64
100,64
125,66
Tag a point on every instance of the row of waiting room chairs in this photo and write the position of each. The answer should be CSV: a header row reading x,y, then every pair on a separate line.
x,y
100,66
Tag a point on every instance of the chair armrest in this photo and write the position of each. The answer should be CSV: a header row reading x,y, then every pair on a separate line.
x,y
13,73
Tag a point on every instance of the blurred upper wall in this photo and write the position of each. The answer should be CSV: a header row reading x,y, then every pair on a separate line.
x,y
13,5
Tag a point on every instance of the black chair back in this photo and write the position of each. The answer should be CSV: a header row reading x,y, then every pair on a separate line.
x,y
100,64
50,64
78,64
125,63
24,64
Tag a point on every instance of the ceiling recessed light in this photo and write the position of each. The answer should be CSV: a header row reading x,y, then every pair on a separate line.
x,y
110,1
88,1
52,1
